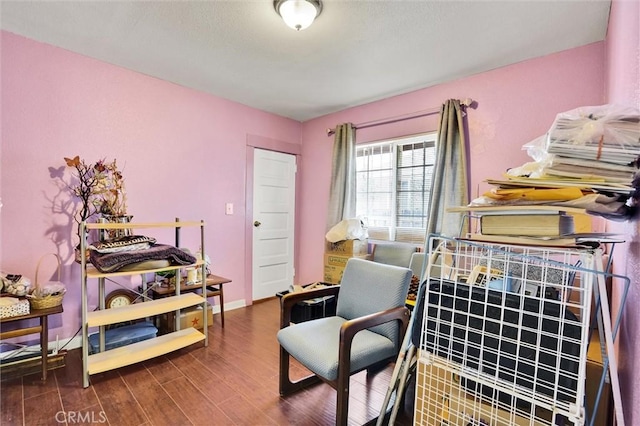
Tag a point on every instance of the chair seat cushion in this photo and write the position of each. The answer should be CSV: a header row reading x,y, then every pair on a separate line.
x,y
315,344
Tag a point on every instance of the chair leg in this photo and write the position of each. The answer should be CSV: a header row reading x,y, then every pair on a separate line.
x,y
342,404
286,385
375,368
284,380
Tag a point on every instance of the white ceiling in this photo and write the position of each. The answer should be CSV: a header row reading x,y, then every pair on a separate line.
x,y
356,52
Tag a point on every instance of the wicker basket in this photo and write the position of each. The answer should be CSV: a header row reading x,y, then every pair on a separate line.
x,y
48,301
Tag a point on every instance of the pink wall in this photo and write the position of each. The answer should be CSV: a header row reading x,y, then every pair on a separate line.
x,y
623,87
516,104
185,152
184,155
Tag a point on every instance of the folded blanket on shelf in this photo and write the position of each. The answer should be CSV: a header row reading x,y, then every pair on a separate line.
x,y
112,262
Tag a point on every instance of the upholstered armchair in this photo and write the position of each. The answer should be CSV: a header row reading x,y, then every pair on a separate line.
x,y
393,253
366,331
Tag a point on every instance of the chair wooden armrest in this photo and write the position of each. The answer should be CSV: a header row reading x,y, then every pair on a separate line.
x,y
288,301
350,328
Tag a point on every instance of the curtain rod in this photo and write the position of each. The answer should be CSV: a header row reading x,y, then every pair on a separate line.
x,y
467,102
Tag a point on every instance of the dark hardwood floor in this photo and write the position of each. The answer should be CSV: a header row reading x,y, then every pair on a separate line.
x,y
233,381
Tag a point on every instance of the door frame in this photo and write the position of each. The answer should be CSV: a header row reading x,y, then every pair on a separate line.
x,y
261,142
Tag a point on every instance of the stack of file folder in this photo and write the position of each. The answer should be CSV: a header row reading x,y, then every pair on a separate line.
x,y
591,161
608,134
597,144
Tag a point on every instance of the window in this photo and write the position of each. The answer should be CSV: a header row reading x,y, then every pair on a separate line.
x,y
393,184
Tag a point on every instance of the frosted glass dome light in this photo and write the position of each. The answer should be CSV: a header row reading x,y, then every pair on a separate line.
x,y
298,14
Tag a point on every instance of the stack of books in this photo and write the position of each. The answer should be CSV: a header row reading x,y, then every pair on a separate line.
x,y
525,226
539,225
529,223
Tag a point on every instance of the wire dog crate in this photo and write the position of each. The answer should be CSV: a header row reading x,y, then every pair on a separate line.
x,y
503,334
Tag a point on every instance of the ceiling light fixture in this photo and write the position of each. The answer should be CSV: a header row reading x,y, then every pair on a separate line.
x,y
298,14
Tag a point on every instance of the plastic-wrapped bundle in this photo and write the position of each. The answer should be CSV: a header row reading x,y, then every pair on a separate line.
x,y
14,284
592,150
608,133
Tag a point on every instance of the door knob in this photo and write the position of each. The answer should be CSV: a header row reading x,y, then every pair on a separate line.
x,y
257,223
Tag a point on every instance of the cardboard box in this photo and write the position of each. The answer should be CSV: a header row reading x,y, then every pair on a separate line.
x,y
334,266
347,247
192,317
594,375
441,396
578,292
189,317
443,400
332,274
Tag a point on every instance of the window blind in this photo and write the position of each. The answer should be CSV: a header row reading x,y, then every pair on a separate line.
x,y
393,181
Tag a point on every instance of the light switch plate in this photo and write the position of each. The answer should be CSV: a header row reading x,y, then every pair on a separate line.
x,y
228,208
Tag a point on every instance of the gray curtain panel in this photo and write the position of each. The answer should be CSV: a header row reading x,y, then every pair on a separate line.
x,y
449,186
342,196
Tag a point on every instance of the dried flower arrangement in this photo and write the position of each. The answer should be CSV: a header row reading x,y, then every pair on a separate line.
x,y
100,188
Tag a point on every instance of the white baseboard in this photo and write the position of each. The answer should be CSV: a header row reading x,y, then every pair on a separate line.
x,y
73,343
55,346
237,304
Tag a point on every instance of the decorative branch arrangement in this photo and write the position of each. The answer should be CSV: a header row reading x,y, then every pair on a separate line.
x,y
100,188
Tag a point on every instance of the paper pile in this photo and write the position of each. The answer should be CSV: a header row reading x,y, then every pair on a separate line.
x,y
588,159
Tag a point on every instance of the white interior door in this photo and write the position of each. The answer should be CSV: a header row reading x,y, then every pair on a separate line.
x,y
273,222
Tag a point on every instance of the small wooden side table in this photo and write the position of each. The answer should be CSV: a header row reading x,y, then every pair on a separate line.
x,y
214,284
43,329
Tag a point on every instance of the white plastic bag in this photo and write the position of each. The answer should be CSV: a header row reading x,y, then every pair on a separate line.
x,y
348,229
609,133
537,148
614,124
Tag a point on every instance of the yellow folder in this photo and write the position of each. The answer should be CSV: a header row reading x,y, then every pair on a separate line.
x,y
535,194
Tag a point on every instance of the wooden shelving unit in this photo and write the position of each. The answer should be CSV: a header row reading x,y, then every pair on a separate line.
x,y
136,352
126,355
142,310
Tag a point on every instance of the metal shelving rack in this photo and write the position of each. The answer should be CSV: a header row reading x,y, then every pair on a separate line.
x,y
505,331
105,360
